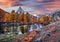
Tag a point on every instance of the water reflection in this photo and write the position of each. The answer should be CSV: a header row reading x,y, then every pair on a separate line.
x,y
11,28
35,26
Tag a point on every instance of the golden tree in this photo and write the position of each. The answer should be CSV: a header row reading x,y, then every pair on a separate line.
x,y
7,18
28,17
39,21
50,19
21,18
25,19
16,17
31,20
45,20
12,16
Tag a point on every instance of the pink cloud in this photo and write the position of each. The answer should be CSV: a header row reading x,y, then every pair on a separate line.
x,y
38,6
52,6
7,3
40,0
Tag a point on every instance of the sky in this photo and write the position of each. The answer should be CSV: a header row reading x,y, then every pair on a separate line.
x,y
38,7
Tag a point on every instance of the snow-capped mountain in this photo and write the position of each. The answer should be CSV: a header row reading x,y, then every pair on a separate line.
x,y
20,10
17,9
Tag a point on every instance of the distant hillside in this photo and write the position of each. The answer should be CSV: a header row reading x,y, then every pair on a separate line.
x,y
2,13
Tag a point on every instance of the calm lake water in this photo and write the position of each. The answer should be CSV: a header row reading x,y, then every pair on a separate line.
x,y
35,26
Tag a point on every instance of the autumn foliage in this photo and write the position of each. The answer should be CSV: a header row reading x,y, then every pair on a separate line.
x,y
46,20
25,18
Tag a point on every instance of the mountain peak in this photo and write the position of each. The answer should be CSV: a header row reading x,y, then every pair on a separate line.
x,y
16,8
20,10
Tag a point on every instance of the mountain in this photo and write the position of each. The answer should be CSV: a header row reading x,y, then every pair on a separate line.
x,y
2,13
56,16
40,16
16,8
20,10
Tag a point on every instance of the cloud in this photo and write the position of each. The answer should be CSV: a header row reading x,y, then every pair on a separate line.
x,y
33,6
8,3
